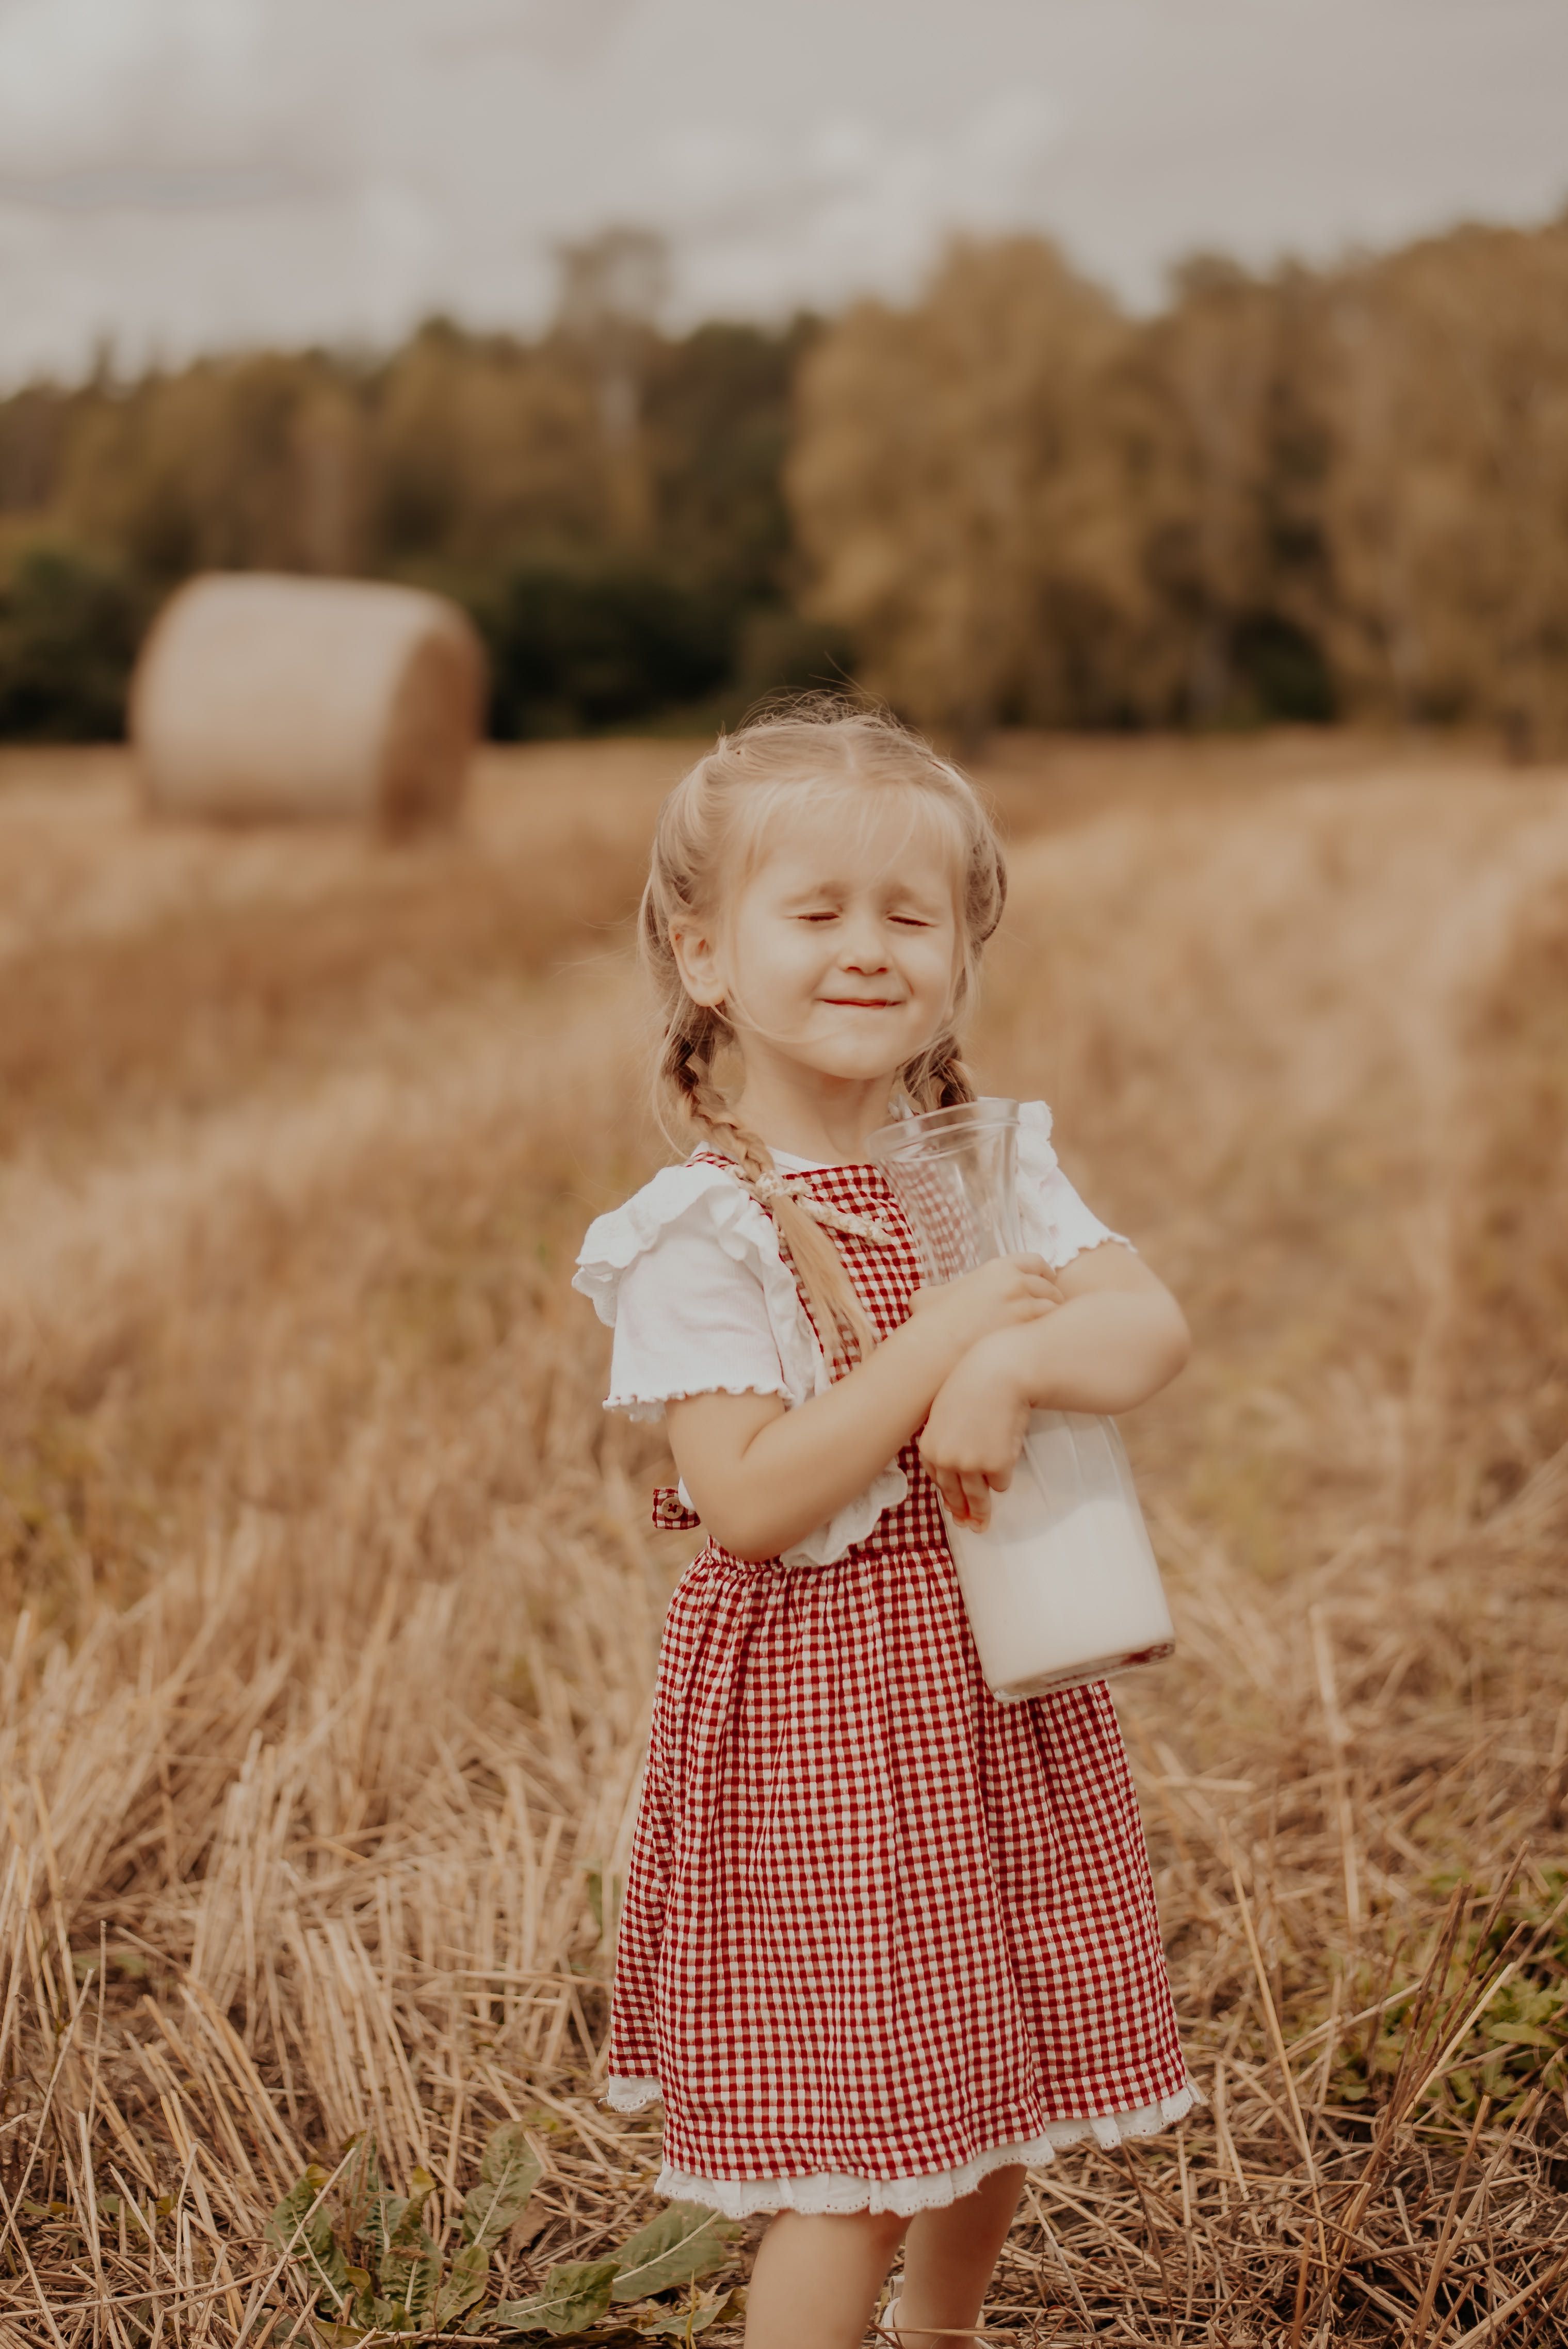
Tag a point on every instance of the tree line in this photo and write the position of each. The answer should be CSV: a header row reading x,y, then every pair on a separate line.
x,y
605,500
1298,495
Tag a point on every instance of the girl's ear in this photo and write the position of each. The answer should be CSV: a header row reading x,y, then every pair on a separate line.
x,y
698,960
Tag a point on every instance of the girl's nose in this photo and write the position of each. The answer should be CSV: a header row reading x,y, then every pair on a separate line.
x,y
862,935
864,948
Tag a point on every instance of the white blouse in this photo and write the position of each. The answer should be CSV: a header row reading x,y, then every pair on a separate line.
x,y
688,1274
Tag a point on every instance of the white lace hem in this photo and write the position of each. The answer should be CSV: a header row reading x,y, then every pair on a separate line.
x,y
836,2191
652,1406
631,2095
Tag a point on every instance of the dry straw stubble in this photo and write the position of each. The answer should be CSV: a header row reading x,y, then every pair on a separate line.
x,y
335,1610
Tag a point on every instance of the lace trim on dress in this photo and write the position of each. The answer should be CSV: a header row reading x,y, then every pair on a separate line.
x,y
632,2096
854,1522
832,2191
638,1406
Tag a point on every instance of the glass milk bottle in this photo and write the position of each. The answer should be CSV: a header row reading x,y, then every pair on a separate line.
x,y
1062,1586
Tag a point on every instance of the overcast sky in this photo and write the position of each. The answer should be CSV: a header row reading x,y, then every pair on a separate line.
x,y
186,175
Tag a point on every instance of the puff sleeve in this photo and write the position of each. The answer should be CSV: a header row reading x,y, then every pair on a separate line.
x,y
688,1275
1056,1223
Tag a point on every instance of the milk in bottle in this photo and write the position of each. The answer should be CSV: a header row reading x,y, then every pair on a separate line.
x,y
1062,1586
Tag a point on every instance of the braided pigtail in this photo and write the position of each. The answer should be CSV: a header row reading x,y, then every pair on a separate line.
x,y
938,1079
687,1082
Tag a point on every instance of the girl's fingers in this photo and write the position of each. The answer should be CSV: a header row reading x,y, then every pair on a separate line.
x,y
977,1501
966,1493
949,1484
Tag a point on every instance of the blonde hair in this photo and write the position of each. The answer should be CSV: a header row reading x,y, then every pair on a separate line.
x,y
709,835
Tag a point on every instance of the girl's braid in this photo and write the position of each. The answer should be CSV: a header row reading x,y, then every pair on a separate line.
x,y
842,1322
940,1079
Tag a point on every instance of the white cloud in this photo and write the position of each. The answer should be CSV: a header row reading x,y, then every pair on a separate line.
x,y
399,235
850,205
81,77
182,173
566,33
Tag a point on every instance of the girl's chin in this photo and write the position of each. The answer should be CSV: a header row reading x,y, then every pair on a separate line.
x,y
852,1058
853,1068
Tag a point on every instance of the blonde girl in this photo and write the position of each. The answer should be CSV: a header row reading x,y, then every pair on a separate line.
x,y
885,1941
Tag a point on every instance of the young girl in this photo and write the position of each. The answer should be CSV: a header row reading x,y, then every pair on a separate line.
x,y
885,1941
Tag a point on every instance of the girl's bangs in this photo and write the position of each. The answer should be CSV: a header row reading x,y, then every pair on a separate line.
x,y
864,801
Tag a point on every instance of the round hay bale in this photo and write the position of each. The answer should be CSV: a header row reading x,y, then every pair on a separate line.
x,y
258,696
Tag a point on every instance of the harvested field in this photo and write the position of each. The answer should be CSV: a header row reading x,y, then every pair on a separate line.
x,y
332,1606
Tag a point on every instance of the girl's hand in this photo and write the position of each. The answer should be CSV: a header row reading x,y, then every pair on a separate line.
x,y
763,1476
998,1295
971,1442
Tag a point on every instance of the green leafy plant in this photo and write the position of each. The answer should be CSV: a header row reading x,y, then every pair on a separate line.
x,y
508,2172
572,2296
301,2226
681,2245
1520,2043
717,2307
370,2263
1503,1987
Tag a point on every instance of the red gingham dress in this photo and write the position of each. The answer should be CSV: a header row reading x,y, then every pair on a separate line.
x,y
880,1932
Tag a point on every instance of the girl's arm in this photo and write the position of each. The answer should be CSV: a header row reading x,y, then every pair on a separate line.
x,y
762,1476
1118,1339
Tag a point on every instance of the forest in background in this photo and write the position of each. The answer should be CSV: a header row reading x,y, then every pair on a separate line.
x,y
1312,495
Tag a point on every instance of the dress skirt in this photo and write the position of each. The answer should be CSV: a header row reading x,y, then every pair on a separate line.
x,y
881,1932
